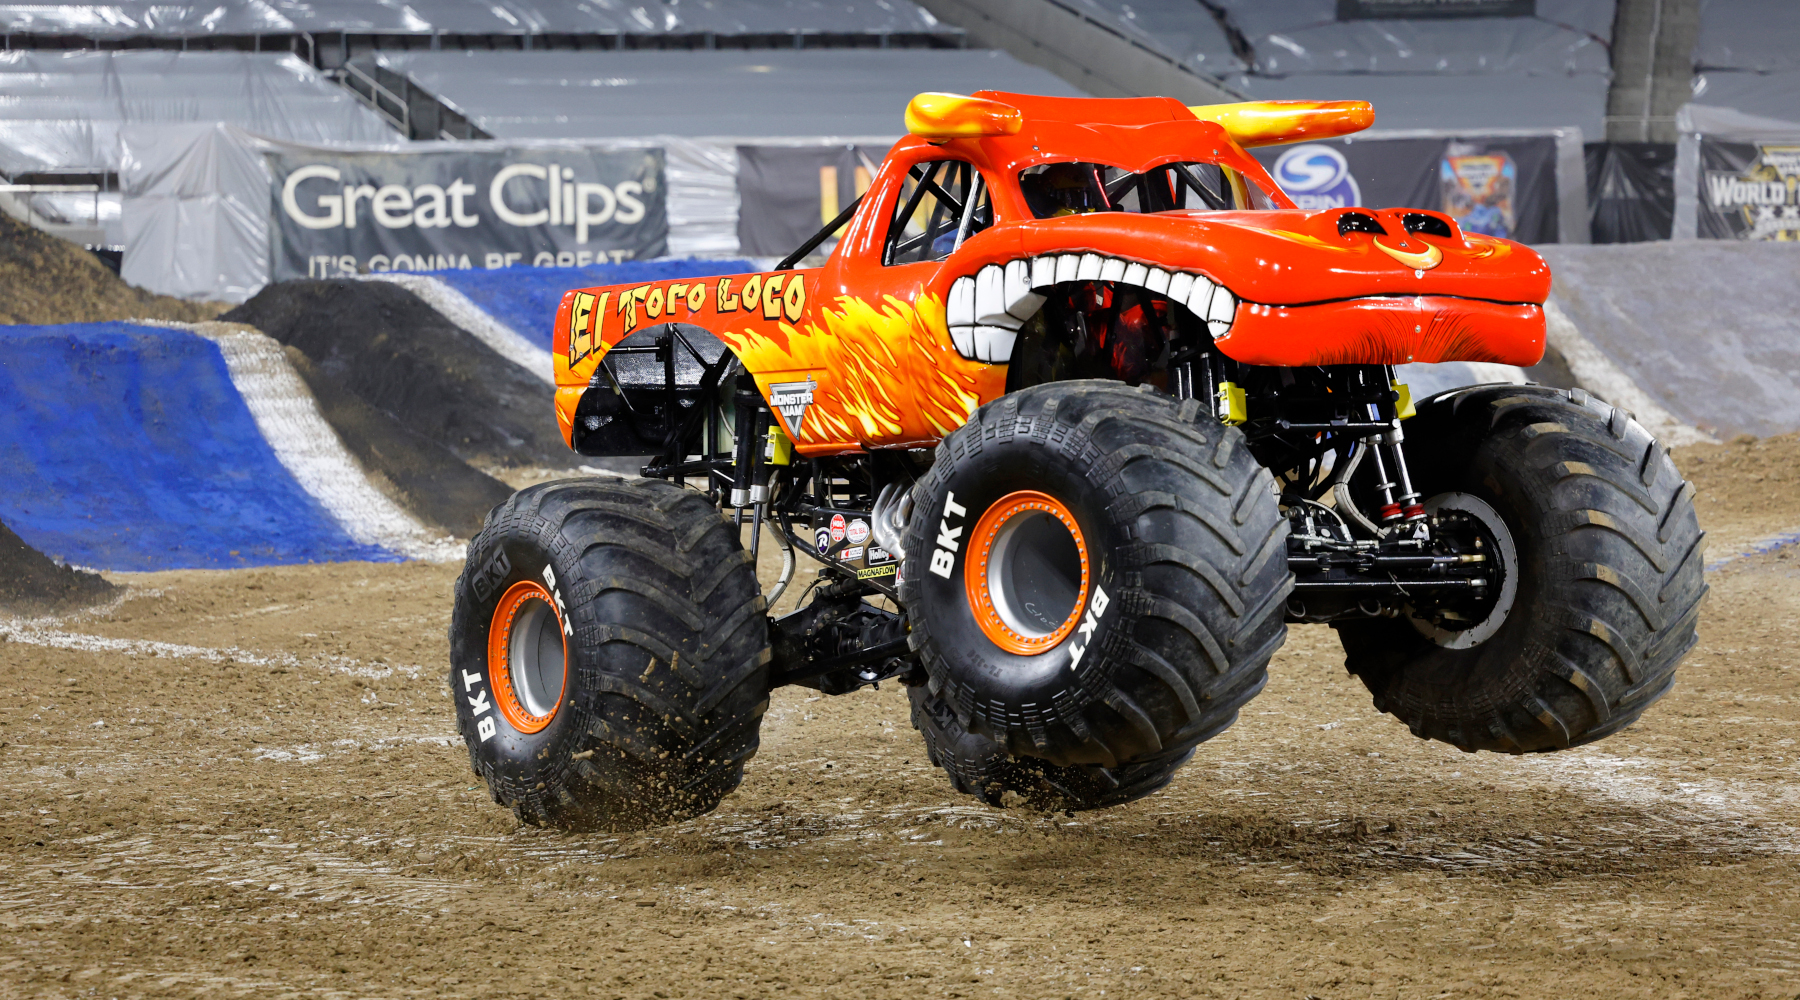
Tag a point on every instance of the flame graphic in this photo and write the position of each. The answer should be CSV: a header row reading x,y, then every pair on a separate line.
x,y
886,373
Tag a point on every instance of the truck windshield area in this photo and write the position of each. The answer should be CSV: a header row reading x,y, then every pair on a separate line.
x,y
1076,188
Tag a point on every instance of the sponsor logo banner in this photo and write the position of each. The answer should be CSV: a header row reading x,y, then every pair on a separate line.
x,y
1749,191
1501,185
347,213
1316,176
1478,192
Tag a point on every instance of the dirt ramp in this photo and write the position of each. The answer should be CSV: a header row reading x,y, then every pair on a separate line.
x,y
381,344
50,280
1706,328
31,582
414,470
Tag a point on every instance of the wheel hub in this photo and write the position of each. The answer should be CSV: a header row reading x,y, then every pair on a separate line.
x,y
527,657
1027,575
1470,626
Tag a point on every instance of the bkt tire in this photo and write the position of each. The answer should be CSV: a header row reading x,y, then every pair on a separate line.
x,y
1095,574
1600,577
608,654
980,767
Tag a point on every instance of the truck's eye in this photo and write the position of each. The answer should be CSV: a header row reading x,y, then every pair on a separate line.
x,y
1430,225
1359,222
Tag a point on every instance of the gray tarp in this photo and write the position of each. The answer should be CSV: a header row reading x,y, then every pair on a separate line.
x,y
62,111
1709,329
641,17
1305,36
196,211
1760,35
1765,95
1461,103
757,93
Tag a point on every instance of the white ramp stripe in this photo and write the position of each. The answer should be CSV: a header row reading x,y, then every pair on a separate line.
x,y
32,633
456,307
1597,374
305,444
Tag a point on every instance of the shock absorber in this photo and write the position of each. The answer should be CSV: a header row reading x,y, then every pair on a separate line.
x,y
1410,508
746,415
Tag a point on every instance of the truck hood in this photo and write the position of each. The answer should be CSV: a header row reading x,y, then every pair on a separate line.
x,y
1296,257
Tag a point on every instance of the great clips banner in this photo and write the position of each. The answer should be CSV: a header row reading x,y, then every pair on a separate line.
x,y
346,213
1502,186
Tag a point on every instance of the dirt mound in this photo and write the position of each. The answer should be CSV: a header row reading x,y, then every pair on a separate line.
x,y
379,343
418,473
32,582
50,280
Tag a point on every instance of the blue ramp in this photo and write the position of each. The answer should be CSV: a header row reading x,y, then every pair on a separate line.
x,y
525,298
127,447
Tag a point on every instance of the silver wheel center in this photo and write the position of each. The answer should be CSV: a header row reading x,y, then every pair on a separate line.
x,y
535,660
1504,559
1034,574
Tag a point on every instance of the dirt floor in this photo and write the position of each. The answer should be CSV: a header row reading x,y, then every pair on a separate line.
x,y
246,783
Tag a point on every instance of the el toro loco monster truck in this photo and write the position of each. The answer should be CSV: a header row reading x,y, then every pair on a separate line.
x,y
1078,414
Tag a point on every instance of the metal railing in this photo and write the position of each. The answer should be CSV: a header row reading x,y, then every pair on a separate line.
x,y
33,218
355,79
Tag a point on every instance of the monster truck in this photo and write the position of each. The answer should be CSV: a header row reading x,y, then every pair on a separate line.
x,y
1079,412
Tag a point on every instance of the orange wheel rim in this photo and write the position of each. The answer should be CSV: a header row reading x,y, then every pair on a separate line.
x,y
1027,563
527,661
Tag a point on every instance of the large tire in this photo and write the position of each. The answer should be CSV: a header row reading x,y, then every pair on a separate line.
x,y
664,641
980,767
1173,611
1608,583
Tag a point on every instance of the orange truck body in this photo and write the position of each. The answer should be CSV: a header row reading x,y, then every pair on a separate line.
x,y
873,342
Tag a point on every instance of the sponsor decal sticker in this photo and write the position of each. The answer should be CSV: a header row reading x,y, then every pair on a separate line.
x,y
822,538
876,571
792,399
858,531
851,554
879,555
838,530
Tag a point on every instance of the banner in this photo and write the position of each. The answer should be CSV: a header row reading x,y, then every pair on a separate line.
x,y
1748,190
1501,186
337,214
787,193
1631,191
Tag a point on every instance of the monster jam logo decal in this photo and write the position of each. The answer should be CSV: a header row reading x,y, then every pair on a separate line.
x,y
792,399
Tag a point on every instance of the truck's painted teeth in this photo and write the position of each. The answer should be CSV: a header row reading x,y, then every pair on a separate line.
x,y
985,311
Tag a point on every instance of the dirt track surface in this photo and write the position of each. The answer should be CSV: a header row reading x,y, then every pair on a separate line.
x,y
276,806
